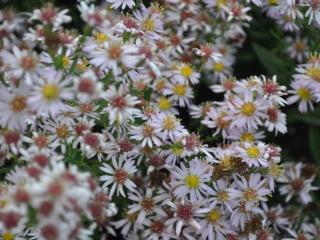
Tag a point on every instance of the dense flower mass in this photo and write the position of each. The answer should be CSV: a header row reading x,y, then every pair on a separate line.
x,y
102,134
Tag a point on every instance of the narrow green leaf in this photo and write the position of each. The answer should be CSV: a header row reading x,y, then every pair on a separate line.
x,y
314,143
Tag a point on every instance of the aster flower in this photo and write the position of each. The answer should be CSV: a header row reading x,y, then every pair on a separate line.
x,y
253,154
146,205
21,63
14,106
303,94
121,3
148,135
118,176
121,105
48,94
169,125
297,185
185,214
250,191
191,181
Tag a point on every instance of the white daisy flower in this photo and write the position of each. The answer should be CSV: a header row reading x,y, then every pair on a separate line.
x,y
145,133
21,63
121,105
118,175
303,94
250,191
185,74
122,3
192,181
253,154
146,205
14,106
49,92
170,126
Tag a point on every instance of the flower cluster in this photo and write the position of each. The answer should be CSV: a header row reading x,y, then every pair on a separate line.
x,y
287,13
93,138
306,84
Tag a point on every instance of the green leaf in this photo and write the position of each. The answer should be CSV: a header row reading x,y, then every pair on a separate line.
x,y
314,143
272,63
268,59
312,118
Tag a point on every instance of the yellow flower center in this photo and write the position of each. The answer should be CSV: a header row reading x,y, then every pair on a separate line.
x,y
100,37
62,131
18,103
192,181
218,67
164,103
250,194
221,3
304,93
226,162
186,71
314,72
177,149
300,46
82,65
50,92
213,216
7,236
179,89
247,137
132,217
253,152
65,61
149,24
3,203
275,170
169,123
223,196
273,2
248,109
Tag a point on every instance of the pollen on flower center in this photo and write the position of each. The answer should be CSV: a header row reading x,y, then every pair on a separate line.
x,y
114,51
147,204
65,61
147,130
169,123
185,212
120,176
314,72
253,152
248,109
149,24
62,131
186,71
213,216
304,93
179,89
192,181
218,67
100,37
7,236
119,102
50,92
250,194
164,103
18,103
223,195
247,137
157,227
28,63
221,3
273,2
